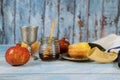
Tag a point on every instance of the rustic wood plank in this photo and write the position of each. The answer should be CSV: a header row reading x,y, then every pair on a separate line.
x,y
66,19
1,19
22,16
117,19
109,14
95,20
87,76
1,36
1,22
95,15
81,17
9,11
51,12
37,15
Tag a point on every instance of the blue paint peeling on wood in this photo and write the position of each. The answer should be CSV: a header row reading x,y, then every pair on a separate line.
x,y
8,16
22,16
78,20
37,15
51,13
117,19
80,32
95,15
66,19
1,22
1,16
110,12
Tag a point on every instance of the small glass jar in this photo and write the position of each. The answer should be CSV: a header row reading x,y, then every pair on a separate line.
x,y
49,52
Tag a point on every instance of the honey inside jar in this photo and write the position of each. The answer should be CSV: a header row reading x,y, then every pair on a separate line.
x,y
48,53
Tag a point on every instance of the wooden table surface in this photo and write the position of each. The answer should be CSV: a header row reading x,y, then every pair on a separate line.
x,y
57,70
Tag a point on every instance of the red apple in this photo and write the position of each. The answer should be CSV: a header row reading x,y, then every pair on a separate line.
x,y
17,55
63,43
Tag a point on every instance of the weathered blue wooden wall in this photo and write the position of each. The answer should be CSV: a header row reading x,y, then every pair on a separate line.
x,y
78,20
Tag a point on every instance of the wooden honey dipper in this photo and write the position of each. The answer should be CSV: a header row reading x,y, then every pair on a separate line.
x,y
48,50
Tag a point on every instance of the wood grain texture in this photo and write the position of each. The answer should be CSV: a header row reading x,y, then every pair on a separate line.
x,y
86,76
117,19
22,16
51,13
37,15
108,16
1,22
66,19
94,23
80,28
8,17
62,76
78,20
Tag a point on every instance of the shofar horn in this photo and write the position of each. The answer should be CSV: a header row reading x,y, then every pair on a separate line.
x,y
101,57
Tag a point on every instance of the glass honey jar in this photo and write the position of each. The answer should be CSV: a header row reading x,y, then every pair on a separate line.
x,y
49,52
